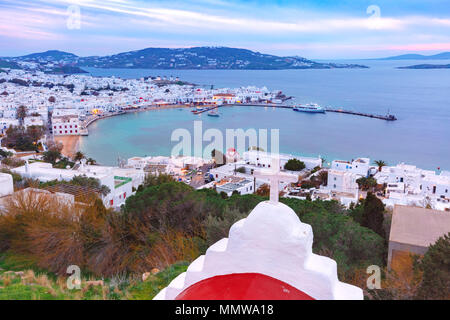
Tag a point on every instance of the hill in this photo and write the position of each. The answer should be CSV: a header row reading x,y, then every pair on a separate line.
x,y
204,58
51,55
439,56
199,58
427,66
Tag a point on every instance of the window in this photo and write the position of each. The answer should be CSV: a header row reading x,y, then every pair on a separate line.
x,y
124,195
111,202
55,127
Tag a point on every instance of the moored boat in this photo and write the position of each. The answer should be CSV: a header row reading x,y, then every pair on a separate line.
x,y
213,113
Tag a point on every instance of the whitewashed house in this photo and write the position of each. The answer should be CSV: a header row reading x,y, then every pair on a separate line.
x,y
120,181
240,185
33,121
66,125
265,159
360,166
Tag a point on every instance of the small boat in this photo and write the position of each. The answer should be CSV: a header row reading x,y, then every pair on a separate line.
x,y
310,108
213,113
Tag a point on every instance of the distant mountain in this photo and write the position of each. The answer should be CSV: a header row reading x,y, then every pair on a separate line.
x,y
427,66
439,56
51,55
204,58
184,58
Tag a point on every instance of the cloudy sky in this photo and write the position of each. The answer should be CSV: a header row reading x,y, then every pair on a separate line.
x,y
329,29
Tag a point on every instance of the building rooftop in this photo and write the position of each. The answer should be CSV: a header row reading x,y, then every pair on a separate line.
x,y
418,226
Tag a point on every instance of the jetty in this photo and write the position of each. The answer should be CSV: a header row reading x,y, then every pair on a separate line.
x,y
387,117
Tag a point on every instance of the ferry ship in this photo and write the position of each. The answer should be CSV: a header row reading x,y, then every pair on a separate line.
x,y
310,107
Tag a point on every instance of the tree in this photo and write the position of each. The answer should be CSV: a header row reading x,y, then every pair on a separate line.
x,y
380,164
91,161
154,180
21,112
35,132
240,170
373,214
294,165
51,156
79,156
436,271
53,152
52,99
366,183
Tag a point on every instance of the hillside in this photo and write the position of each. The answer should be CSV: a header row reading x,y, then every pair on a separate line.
x,y
427,66
439,56
51,55
200,58
8,64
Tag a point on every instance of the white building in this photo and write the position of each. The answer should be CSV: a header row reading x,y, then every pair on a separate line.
x,y
33,121
240,185
6,184
360,166
420,187
120,181
66,125
264,159
271,244
5,123
341,181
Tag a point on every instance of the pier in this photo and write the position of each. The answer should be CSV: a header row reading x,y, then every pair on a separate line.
x,y
387,117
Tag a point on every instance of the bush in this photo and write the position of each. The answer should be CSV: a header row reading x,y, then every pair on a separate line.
x,y
294,165
436,271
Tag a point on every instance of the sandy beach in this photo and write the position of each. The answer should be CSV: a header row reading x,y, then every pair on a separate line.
x,y
70,145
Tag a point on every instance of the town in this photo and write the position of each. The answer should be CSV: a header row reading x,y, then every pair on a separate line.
x,y
38,109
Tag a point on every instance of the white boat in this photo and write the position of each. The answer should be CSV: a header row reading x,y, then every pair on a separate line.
x,y
310,108
213,113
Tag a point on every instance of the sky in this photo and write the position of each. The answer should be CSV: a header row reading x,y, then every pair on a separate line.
x,y
329,29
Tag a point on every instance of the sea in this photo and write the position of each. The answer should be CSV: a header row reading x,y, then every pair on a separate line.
x,y
420,99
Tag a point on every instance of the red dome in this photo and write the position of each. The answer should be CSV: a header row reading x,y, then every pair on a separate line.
x,y
242,286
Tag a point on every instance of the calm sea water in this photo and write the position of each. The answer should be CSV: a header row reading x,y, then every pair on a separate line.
x,y
419,98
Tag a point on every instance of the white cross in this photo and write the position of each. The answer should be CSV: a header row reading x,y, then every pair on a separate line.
x,y
275,176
